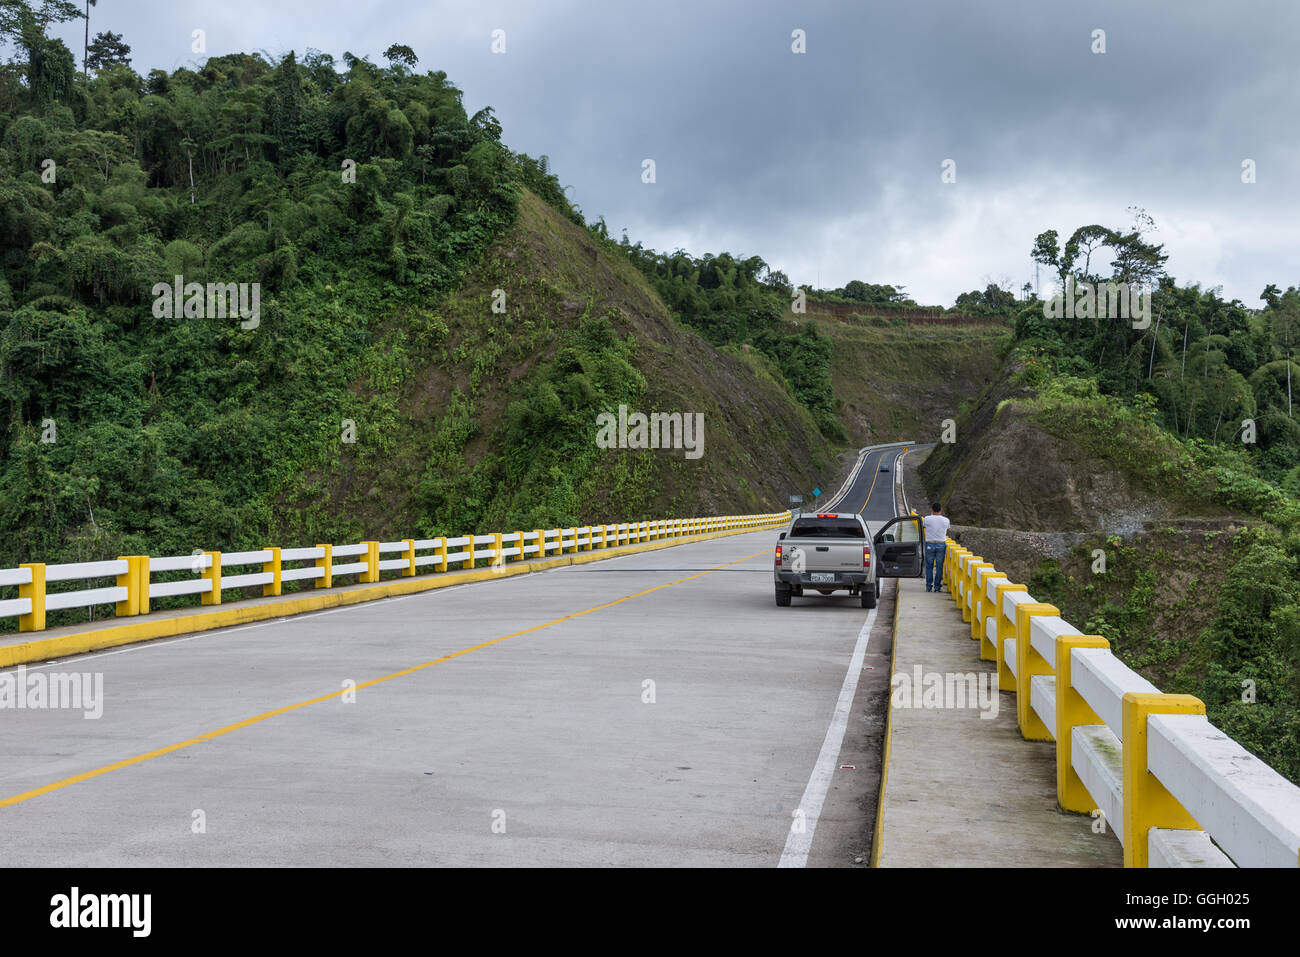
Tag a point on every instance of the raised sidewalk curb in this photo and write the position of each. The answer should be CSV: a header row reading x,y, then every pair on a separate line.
x,y
963,790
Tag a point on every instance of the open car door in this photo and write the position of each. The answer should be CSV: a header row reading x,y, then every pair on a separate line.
x,y
898,548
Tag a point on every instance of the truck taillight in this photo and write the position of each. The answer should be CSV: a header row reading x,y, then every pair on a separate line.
x,y
866,557
778,554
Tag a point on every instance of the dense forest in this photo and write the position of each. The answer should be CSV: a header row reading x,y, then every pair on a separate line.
x,y
1215,372
332,190
1201,400
349,193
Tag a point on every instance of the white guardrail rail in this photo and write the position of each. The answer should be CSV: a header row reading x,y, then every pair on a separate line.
x,y
1174,789
209,571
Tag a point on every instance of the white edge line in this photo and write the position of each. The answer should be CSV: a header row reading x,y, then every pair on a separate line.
x,y
798,844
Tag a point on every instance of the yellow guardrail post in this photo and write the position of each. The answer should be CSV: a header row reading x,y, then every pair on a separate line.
x,y
604,535
970,601
985,609
1071,711
498,559
273,566
213,574
1147,803
950,570
34,590
1030,663
409,555
468,560
371,574
326,562
130,580
441,564
1006,628
541,542
963,586
142,570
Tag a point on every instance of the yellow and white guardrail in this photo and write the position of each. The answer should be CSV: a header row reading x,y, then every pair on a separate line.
x,y
412,565
1175,790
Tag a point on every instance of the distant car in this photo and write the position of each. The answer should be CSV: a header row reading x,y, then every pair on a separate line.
x,y
884,467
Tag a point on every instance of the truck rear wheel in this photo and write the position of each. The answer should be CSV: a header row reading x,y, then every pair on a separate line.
x,y
868,597
782,596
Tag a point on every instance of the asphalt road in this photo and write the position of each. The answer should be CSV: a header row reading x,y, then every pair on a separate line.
x,y
500,723
871,494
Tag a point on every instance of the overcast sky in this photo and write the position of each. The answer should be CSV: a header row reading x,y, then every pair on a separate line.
x,y
828,163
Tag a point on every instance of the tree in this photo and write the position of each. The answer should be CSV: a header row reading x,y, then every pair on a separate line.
x,y
24,25
1086,240
1047,252
107,49
401,53
286,107
50,70
85,44
1286,326
1137,263
994,300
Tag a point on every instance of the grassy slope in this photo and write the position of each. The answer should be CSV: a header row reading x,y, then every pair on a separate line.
x,y
457,365
901,382
1095,467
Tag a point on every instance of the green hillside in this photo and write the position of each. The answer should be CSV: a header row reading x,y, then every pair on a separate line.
x,y
1100,429
433,334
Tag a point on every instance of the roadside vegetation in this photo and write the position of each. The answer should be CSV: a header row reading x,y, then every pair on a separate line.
x,y
1190,424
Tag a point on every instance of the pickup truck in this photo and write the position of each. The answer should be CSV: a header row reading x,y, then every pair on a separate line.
x,y
832,551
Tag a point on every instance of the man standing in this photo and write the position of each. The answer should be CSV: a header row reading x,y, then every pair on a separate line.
x,y
936,530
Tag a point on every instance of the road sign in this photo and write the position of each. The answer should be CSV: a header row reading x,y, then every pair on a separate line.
x,y
796,499
817,491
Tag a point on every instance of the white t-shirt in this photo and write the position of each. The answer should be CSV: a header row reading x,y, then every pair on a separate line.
x,y
936,527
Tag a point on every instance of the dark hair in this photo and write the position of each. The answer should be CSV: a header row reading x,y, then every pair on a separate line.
x,y
936,507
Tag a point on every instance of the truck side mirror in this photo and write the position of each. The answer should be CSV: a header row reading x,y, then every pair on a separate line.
x,y
782,535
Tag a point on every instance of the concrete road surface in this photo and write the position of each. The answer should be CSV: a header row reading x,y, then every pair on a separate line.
x,y
655,709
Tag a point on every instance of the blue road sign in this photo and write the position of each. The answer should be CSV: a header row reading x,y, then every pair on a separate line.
x,y
817,491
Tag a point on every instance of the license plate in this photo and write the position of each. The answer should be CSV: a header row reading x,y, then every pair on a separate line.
x,y
820,577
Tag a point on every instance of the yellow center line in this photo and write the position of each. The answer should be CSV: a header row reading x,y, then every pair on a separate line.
x,y
247,722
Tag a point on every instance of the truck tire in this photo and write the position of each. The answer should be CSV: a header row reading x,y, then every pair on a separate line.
x,y
877,587
868,597
782,596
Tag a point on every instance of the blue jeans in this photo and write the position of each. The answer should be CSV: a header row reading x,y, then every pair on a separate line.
x,y
934,552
